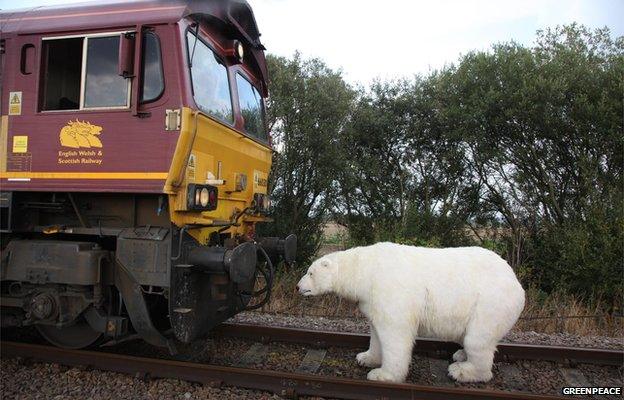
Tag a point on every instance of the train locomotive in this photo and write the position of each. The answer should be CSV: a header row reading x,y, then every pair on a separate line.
x,y
133,170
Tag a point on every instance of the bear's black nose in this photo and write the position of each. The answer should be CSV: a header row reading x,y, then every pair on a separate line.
x,y
297,287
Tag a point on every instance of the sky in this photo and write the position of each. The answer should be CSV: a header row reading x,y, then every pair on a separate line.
x,y
392,39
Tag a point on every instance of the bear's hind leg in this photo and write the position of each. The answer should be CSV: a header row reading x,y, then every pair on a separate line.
x,y
372,357
477,366
482,336
397,341
460,355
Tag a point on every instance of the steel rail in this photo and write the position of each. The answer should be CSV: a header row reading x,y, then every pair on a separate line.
x,y
431,347
283,383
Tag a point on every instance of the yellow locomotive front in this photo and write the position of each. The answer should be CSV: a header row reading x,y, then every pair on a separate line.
x,y
138,170
218,180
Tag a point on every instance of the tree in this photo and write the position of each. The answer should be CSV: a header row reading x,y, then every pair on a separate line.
x,y
543,128
308,107
403,175
372,184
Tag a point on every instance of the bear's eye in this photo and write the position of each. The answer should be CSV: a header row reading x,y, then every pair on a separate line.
x,y
310,273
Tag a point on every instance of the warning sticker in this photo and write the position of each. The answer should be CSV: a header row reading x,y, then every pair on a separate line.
x,y
260,182
20,144
15,103
190,168
19,162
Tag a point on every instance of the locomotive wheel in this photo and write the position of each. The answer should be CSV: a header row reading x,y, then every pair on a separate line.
x,y
76,336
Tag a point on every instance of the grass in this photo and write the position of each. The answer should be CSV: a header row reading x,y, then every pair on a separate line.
x,y
543,313
561,313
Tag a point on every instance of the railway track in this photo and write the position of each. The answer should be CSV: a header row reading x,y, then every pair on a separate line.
x,y
304,381
429,347
286,384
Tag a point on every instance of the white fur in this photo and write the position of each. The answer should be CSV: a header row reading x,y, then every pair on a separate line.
x,y
467,295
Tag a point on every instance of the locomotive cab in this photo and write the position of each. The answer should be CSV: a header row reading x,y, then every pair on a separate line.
x,y
133,169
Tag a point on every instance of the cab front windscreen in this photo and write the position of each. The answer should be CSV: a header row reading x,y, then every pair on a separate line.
x,y
213,94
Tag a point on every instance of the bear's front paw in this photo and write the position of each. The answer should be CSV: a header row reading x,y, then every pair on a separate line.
x,y
464,371
378,374
366,359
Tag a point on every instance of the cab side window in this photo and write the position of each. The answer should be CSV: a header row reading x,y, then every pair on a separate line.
x,y
153,79
104,87
62,72
81,73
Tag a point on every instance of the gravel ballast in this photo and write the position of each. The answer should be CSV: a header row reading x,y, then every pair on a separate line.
x,y
54,381
27,380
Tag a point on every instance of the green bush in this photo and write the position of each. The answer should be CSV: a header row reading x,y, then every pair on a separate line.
x,y
581,257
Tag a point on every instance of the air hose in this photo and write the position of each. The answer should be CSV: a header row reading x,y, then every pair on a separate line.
x,y
268,277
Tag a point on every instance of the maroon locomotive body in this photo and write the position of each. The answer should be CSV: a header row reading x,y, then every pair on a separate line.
x,y
133,169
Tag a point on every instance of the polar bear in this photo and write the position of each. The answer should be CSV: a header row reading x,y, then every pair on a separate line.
x,y
467,295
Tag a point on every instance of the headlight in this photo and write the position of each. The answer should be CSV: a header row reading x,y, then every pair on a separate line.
x,y
201,197
240,51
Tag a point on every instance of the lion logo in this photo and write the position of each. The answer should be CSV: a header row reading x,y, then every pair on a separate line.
x,y
77,134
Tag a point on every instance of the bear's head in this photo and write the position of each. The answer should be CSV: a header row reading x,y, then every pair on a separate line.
x,y
319,279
